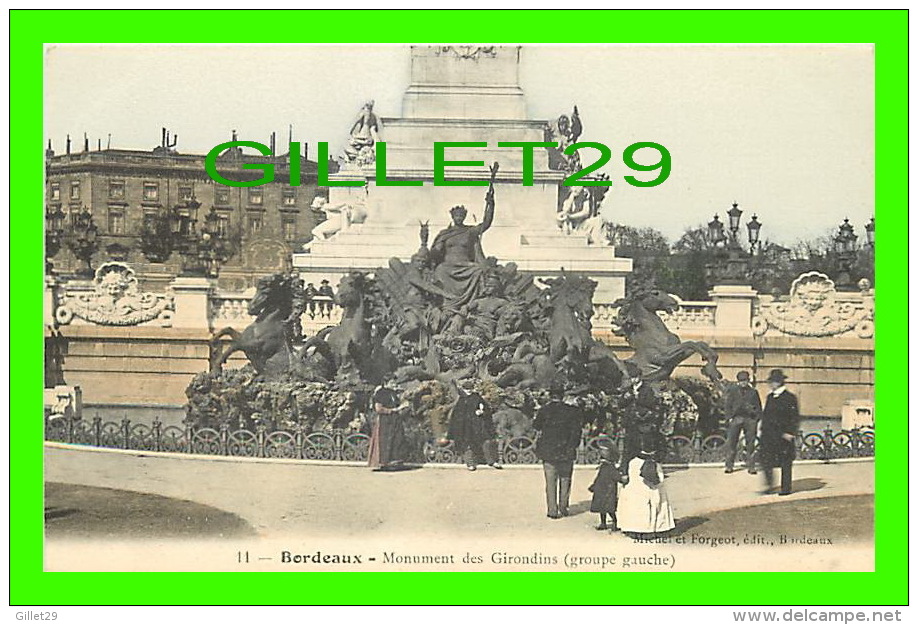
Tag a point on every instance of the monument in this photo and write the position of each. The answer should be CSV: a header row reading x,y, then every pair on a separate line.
x,y
498,303
465,94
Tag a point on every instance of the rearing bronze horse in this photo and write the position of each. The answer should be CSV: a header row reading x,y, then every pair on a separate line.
x,y
266,341
657,351
350,348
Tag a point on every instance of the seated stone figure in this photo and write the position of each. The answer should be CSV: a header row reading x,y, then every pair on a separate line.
x,y
458,260
339,217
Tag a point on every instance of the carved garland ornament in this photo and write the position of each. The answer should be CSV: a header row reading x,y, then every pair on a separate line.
x,y
116,300
468,52
813,311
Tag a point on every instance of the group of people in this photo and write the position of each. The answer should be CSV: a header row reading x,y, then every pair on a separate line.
x,y
629,496
774,426
471,428
642,507
312,294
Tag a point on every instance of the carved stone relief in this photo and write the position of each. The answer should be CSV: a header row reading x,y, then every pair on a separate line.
x,y
814,310
115,300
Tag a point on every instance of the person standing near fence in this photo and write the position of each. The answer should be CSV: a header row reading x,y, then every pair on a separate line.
x,y
643,506
471,427
743,408
561,424
326,291
388,446
780,422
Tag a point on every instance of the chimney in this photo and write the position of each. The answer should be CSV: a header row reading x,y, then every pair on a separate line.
x,y
68,144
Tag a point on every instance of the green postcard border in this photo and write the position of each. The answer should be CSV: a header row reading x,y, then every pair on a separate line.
x,y
29,585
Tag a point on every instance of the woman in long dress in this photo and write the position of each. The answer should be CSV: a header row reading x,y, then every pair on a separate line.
x,y
643,507
387,440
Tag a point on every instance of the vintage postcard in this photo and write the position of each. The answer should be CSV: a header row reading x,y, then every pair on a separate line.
x,y
459,307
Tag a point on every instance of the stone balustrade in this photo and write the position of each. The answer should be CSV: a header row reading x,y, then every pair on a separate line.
x,y
131,349
231,310
814,308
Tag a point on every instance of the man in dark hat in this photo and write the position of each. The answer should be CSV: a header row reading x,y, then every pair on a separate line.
x,y
780,422
309,294
560,423
743,408
471,428
326,291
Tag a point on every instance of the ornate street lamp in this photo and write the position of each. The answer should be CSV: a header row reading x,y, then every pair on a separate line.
x,y
716,231
845,240
753,227
870,229
176,229
731,265
846,251
54,236
213,250
204,252
83,240
734,215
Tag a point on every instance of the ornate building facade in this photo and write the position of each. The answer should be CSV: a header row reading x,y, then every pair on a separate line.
x,y
126,190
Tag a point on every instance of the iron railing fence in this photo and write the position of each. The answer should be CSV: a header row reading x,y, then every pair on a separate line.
x,y
340,445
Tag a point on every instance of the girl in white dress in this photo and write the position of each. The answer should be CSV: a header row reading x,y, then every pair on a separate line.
x,y
643,507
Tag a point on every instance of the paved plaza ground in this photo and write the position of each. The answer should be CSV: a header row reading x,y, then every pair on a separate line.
x,y
217,497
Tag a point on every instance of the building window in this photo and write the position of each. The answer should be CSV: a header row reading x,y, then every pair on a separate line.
x,y
115,222
223,225
255,224
149,220
185,193
116,190
55,192
151,191
256,196
289,227
222,196
289,197
186,225
75,190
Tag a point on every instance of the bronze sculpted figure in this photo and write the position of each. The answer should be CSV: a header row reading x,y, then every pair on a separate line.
x,y
657,351
450,319
565,131
456,253
269,341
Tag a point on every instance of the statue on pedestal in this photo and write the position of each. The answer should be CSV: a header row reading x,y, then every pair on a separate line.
x,y
565,131
364,135
459,262
338,217
580,213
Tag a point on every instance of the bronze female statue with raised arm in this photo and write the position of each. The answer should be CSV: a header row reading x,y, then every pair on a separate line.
x,y
456,253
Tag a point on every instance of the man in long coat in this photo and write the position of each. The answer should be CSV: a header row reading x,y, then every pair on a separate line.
x,y
780,422
471,428
560,424
743,408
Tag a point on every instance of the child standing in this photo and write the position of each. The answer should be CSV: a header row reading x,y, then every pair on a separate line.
x,y
605,487
644,507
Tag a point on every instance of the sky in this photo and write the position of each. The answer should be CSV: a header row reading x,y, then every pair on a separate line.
x,y
785,131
